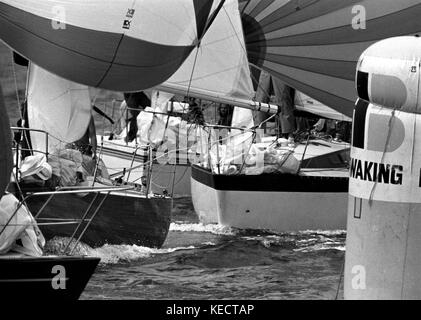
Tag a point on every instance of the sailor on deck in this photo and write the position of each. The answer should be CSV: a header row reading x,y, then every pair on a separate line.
x,y
88,143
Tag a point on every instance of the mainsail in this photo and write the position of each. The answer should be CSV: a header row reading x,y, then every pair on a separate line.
x,y
120,45
58,106
314,45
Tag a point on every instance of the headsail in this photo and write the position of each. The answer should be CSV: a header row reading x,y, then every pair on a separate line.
x,y
120,45
58,106
314,45
218,69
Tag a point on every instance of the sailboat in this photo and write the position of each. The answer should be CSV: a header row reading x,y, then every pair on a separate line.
x,y
123,42
219,71
108,50
312,46
225,199
59,112
52,277
283,188
216,70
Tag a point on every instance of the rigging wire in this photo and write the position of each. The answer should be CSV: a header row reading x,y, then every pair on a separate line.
x,y
340,280
389,135
265,93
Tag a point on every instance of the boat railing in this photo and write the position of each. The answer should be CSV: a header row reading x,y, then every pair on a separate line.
x,y
18,148
18,145
215,141
87,217
147,153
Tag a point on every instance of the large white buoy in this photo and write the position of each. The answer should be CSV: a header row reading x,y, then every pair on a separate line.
x,y
383,257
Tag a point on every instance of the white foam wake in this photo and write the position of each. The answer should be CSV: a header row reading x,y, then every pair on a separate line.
x,y
112,254
200,227
324,232
321,247
109,254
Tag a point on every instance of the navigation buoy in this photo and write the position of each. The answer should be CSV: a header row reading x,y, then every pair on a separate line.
x,y
384,211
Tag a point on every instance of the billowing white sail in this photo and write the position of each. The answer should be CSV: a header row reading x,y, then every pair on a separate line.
x,y
218,69
58,106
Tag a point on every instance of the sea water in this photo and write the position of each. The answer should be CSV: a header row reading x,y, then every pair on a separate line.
x,y
215,262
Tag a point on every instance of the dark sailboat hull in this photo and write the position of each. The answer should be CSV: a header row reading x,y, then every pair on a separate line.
x,y
122,219
45,277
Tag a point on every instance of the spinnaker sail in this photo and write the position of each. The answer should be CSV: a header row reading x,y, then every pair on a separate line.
x,y
314,45
120,45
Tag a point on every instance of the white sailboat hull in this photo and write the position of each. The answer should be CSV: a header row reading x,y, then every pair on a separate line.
x,y
205,202
278,210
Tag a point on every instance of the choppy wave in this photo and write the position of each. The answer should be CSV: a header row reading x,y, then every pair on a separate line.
x,y
325,232
304,241
321,240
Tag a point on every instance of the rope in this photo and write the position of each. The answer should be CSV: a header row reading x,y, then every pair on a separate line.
x,y
389,134
340,280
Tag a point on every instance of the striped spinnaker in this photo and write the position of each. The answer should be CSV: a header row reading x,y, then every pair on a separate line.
x,y
124,45
314,45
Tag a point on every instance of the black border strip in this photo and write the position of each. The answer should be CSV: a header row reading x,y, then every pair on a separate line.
x,y
358,130
362,85
270,182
